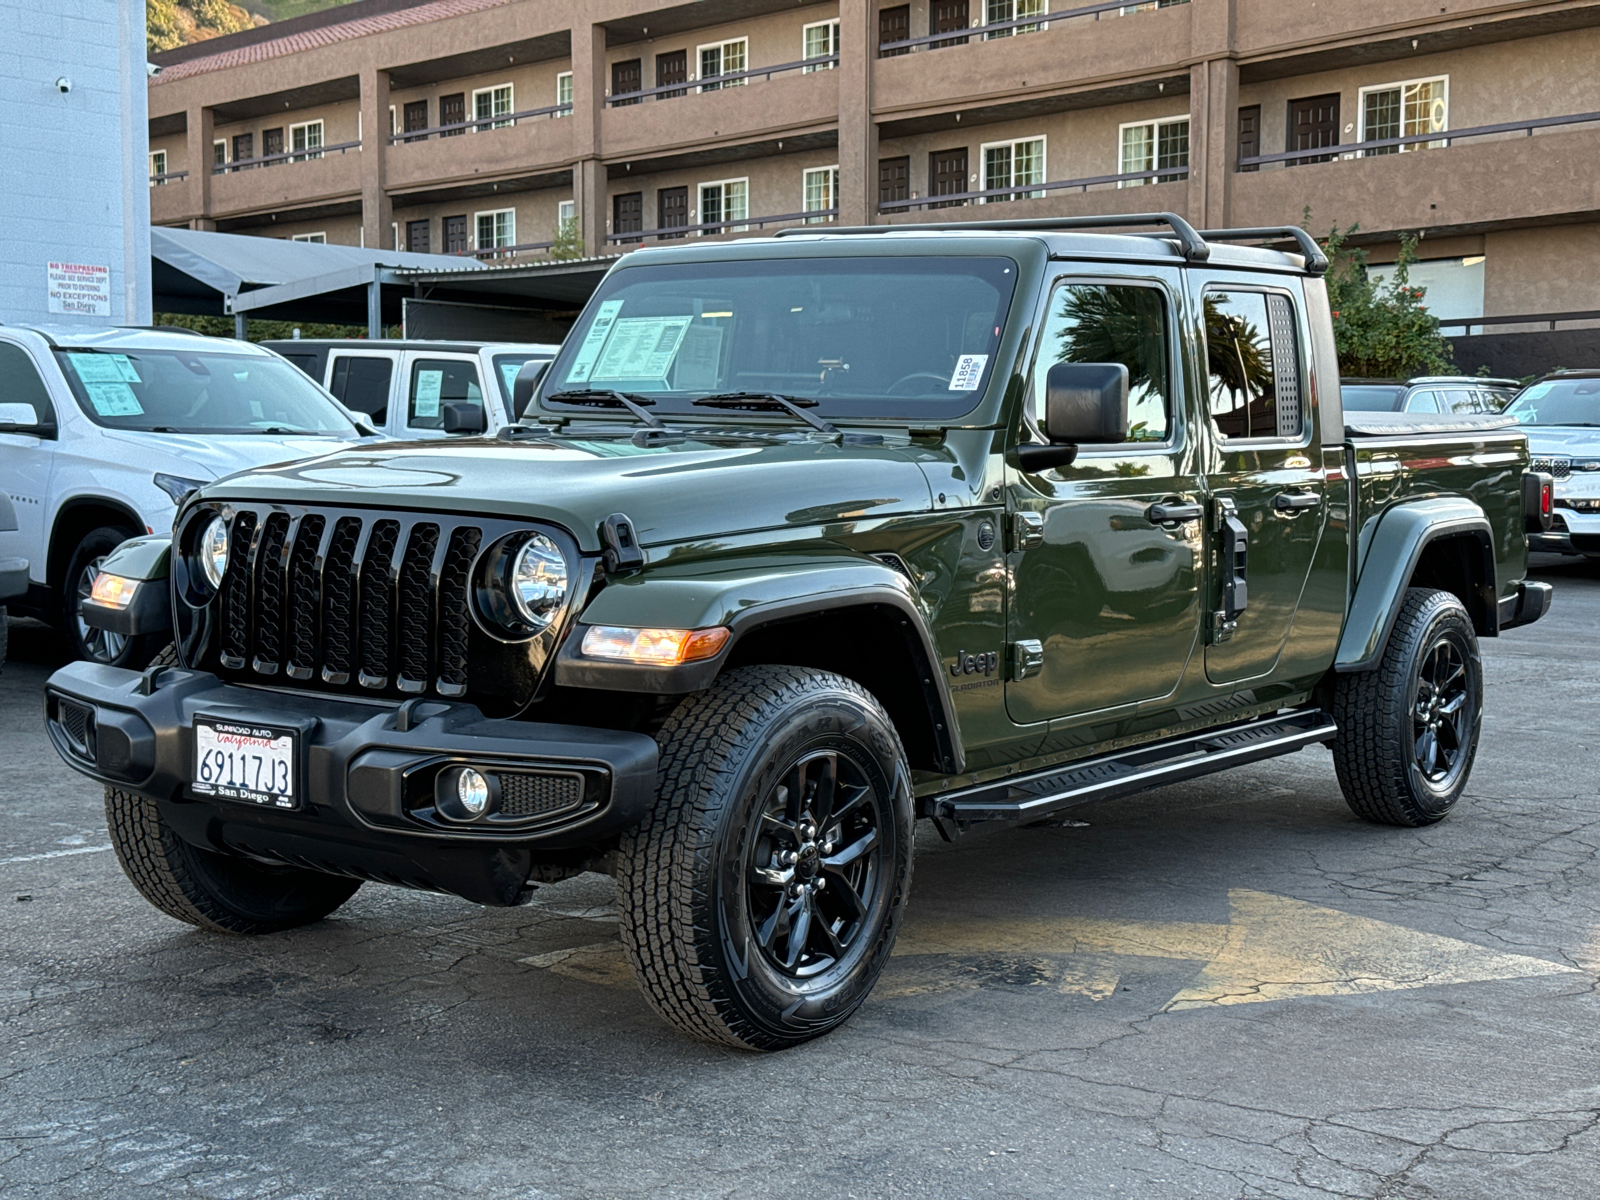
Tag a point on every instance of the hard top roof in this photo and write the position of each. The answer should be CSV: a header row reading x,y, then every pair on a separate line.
x,y
129,337
452,346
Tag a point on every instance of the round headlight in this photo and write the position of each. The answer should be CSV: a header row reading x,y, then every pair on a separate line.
x,y
214,551
538,581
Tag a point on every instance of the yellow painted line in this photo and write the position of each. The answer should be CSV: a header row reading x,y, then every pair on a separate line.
x,y
1065,935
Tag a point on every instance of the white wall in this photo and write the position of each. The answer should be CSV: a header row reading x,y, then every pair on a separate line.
x,y
74,172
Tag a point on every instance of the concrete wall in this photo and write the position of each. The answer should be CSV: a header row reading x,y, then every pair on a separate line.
x,y
75,183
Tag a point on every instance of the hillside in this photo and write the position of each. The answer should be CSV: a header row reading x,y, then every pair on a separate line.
x,y
171,23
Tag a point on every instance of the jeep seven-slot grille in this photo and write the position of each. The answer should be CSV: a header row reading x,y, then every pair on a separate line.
x,y
341,600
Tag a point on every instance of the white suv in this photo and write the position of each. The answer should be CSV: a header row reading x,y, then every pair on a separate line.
x,y
103,432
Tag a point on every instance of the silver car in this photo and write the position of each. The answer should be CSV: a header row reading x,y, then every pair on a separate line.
x,y
1561,414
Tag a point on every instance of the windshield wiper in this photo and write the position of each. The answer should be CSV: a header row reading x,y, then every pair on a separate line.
x,y
795,406
605,398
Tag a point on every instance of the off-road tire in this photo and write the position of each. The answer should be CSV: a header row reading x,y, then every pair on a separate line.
x,y
722,752
1375,753
5,627
136,650
210,890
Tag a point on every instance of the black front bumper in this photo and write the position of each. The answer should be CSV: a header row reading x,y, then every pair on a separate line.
x,y
367,773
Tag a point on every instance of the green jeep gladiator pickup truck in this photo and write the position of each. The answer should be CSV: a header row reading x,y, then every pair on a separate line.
x,y
802,539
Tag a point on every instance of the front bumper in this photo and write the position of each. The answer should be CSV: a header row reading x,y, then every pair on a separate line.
x,y
366,773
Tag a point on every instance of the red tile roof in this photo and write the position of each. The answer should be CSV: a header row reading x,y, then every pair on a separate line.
x,y
327,35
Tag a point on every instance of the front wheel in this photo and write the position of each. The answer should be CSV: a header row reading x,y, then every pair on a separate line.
x,y
1408,729
761,897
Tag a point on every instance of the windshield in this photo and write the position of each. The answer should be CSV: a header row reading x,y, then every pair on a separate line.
x,y
1558,402
1371,397
877,336
199,391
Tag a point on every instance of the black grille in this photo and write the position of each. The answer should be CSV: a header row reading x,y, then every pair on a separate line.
x,y
77,722
338,602
377,604
455,622
1556,468
236,592
525,795
416,607
303,596
269,594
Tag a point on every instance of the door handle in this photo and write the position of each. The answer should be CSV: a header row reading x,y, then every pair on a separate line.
x,y
1294,501
1169,514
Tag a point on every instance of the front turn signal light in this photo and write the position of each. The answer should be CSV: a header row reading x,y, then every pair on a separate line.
x,y
113,591
653,647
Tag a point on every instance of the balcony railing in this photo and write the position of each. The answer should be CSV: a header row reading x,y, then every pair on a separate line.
x,y
1032,191
269,160
503,251
479,124
1440,139
1037,22
1549,320
819,216
167,177
717,82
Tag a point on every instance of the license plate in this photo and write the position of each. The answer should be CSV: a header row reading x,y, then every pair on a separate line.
x,y
241,761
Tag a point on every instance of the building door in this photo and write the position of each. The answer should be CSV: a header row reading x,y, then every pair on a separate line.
x,y
243,147
894,25
672,209
894,179
947,175
672,69
417,236
1314,122
1250,134
627,77
453,111
627,213
415,116
947,16
455,235
271,142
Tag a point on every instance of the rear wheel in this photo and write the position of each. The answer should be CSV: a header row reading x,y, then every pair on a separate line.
x,y
761,897
1408,730
87,642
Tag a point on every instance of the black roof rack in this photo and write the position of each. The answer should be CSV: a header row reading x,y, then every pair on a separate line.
x,y
1193,244
1316,260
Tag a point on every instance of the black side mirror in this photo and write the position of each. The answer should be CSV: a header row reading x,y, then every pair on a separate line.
x,y
525,384
463,416
1084,404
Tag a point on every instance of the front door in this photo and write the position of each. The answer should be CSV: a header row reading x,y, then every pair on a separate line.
x,y
271,143
455,235
1314,122
627,77
947,175
1265,467
894,179
243,147
417,236
948,16
627,213
894,25
453,111
415,117
671,70
1106,585
672,210
26,460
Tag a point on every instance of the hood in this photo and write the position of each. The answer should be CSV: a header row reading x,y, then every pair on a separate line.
x,y
212,455
684,492
1571,440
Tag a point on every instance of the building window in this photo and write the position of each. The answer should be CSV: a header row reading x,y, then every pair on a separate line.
x,y
305,140
566,210
564,92
1149,6
1013,164
158,167
725,200
997,11
394,235
821,192
723,58
319,239
1254,362
491,102
1402,109
820,41
219,156
1155,146
496,230
394,121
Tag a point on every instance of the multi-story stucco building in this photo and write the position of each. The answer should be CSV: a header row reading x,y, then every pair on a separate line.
x,y
478,126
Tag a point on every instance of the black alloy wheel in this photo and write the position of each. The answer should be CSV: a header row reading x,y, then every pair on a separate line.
x,y
1444,714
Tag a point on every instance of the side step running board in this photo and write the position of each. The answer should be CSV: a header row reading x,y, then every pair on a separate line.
x,y
1023,799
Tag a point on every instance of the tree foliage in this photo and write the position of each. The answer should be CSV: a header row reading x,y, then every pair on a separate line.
x,y
569,242
1383,330
263,331
173,23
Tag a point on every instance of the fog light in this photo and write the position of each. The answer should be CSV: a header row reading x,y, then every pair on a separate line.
x,y
472,789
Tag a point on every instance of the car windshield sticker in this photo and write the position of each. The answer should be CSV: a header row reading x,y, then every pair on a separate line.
x,y
593,340
969,369
104,368
700,359
428,385
641,348
113,399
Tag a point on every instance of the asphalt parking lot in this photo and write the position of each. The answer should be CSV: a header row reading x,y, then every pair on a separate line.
x,y
1229,988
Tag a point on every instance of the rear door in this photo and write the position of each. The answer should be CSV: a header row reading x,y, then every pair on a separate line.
x,y
363,380
1265,474
1106,587
433,380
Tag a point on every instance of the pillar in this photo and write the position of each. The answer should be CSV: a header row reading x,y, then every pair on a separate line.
x,y
589,189
377,213
858,133
201,128
1213,140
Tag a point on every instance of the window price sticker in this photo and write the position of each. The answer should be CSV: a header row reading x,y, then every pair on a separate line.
x,y
969,369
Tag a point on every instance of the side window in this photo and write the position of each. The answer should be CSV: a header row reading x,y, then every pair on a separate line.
x,y
1463,400
361,382
1117,323
23,384
434,383
1423,401
1253,364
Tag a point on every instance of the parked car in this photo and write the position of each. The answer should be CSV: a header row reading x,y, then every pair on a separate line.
x,y
815,535
418,389
104,432
1561,416
1456,394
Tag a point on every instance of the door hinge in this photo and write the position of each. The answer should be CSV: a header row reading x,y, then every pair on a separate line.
x,y
1025,658
1233,562
1027,529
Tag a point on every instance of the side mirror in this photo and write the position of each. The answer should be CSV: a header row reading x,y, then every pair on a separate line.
x,y
20,418
1084,404
525,384
463,416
